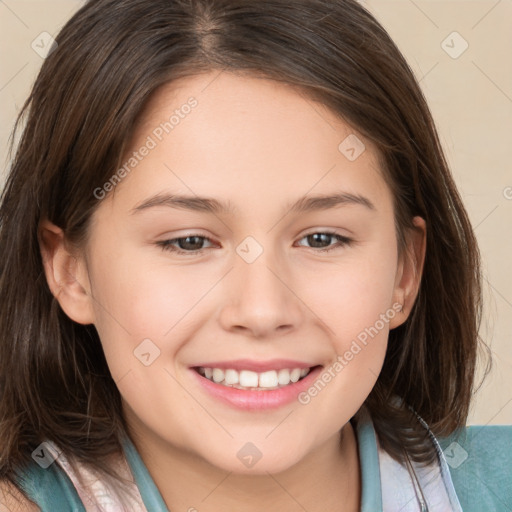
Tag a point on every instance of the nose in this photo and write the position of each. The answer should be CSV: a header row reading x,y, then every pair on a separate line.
x,y
260,300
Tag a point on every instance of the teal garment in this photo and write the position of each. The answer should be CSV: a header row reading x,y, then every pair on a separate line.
x,y
480,461
50,489
479,457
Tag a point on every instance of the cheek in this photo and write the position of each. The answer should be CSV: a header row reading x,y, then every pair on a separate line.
x,y
141,298
354,301
146,309
146,298
350,295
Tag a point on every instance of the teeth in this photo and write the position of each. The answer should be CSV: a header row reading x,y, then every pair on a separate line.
x,y
283,377
268,379
218,375
247,379
231,377
295,375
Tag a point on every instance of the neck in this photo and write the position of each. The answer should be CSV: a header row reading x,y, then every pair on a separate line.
x,y
327,479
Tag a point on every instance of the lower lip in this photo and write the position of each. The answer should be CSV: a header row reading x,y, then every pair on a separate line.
x,y
257,400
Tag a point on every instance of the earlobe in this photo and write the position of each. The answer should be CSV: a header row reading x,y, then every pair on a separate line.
x,y
410,271
65,274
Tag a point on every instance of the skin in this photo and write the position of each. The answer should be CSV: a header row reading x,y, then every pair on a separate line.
x,y
261,145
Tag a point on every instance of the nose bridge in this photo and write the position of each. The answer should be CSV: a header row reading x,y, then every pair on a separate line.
x,y
259,299
259,276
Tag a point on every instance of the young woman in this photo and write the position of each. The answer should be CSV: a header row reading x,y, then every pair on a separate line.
x,y
237,273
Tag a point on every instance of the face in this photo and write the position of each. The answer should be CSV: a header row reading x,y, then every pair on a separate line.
x,y
259,278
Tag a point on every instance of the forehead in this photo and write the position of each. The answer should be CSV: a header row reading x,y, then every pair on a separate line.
x,y
259,103
245,136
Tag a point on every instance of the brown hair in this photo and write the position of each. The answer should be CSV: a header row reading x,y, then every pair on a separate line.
x,y
111,57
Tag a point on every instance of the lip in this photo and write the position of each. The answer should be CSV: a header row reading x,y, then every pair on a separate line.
x,y
257,366
257,400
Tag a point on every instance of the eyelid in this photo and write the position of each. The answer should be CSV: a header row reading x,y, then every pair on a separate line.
x,y
166,244
343,241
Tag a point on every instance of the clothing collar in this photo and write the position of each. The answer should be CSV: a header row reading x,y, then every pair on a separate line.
x,y
389,486
386,485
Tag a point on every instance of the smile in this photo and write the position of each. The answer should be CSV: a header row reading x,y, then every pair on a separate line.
x,y
252,390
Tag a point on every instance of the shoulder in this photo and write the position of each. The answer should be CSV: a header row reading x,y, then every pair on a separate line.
x,y
13,500
480,460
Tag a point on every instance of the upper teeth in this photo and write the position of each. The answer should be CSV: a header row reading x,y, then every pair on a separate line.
x,y
250,379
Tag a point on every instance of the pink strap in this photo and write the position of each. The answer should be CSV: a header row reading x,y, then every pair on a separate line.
x,y
97,496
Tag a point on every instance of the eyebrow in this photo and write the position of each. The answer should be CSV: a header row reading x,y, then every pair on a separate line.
x,y
209,205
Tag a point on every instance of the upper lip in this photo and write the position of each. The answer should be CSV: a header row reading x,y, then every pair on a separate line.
x,y
256,366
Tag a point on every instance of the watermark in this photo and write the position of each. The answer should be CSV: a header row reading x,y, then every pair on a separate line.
x,y
454,45
352,147
249,249
342,361
157,135
45,455
507,193
455,455
44,45
146,352
249,454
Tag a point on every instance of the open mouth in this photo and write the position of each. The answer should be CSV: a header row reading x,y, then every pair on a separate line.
x,y
254,381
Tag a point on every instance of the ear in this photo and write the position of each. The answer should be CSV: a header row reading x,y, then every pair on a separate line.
x,y
66,275
409,271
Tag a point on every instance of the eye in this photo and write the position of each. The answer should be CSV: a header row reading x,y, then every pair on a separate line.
x,y
186,245
318,239
193,244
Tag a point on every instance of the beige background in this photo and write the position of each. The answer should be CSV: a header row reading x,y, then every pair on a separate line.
x,y
471,100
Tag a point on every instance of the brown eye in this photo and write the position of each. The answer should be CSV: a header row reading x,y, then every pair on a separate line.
x,y
320,240
191,244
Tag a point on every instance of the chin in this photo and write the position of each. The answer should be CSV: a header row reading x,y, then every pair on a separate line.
x,y
247,458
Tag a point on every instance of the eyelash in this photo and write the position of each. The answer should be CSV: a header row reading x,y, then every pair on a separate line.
x,y
166,245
